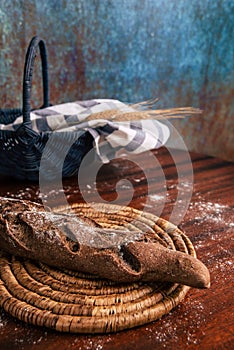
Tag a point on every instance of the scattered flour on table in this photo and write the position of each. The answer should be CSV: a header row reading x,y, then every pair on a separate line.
x,y
91,343
209,211
212,217
189,323
3,320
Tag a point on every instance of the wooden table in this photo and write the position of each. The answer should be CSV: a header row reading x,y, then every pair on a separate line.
x,y
204,320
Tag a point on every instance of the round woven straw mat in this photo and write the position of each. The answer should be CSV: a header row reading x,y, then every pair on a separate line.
x,y
74,302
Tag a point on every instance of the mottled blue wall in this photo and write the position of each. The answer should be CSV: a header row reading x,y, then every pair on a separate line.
x,y
180,51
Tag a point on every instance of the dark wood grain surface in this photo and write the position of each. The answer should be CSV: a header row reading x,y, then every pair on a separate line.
x,y
205,319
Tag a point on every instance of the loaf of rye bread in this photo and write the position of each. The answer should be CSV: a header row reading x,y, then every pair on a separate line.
x,y
66,241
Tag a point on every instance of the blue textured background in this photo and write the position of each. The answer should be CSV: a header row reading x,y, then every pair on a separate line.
x,y
179,51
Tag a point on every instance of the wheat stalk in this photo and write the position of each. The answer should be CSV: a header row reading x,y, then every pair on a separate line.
x,y
144,110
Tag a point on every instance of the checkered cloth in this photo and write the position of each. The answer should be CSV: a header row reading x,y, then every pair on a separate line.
x,y
109,135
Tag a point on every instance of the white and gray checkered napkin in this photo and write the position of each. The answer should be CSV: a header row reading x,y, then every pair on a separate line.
x,y
135,136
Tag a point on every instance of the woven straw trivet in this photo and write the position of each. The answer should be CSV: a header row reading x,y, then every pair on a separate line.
x,y
69,301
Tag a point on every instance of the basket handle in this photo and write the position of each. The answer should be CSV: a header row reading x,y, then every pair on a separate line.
x,y
28,73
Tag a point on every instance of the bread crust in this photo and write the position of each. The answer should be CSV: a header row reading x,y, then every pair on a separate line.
x,y
28,231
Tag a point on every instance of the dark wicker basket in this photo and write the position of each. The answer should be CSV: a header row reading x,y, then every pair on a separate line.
x,y
21,149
